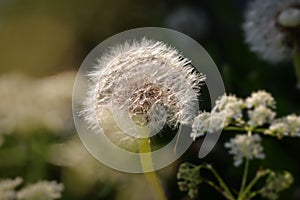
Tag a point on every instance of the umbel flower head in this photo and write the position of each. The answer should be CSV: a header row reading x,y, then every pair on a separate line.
x,y
272,28
145,83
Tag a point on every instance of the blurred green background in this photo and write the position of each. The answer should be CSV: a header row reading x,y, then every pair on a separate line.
x,y
42,44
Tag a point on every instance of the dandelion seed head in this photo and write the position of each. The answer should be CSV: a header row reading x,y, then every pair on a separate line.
x,y
149,80
262,32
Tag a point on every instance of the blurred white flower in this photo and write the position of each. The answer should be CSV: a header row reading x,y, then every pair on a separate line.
x,y
245,147
231,106
43,190
286,126
10,184
142,79
191,21
260,115
8,195
7,188
27,103
289,17
264,28
260,98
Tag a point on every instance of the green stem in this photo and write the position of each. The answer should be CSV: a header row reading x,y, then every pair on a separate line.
x,y
252,183
221,182
243,129
244,180
217,188
297,63
147,165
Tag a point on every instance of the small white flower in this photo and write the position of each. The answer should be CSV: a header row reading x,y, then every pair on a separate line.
x,y
260,98
231,106
207,123
245,147
293,122
278,128
260,115
263,32
43,190
286,126
200,125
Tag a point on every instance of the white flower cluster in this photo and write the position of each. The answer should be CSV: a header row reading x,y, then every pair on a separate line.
x,y
260,105
262,27
228,110
43,190
207,122
231,106
286,126
7,188
27,103
245,147
250,115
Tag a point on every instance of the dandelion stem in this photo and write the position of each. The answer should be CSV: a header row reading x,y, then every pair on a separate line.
x,y
297,64
244,180
147,165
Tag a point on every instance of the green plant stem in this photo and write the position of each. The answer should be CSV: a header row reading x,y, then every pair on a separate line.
x,y
243,129
297,63
252,183
221,182
147,165
244,179
217,188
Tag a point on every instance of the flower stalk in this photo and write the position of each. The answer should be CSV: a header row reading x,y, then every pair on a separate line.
x,y
146,163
